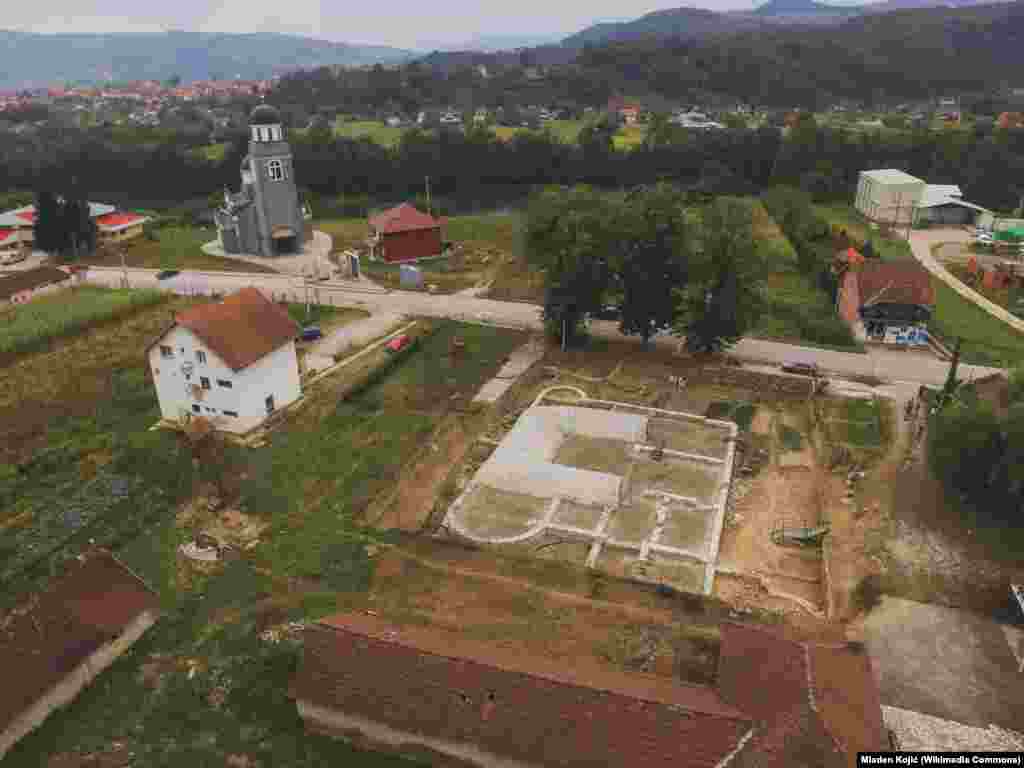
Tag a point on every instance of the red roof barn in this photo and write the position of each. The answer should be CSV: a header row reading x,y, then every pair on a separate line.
x,y
57,642
404,233
778,704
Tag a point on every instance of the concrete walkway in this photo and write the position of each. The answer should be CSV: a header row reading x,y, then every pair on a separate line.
x,y
921,243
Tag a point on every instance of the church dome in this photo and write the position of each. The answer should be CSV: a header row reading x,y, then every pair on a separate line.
x,y
265,114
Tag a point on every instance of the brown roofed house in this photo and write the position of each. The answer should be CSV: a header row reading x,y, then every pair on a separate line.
x,y
457,701
21,287
232,362
887,301
404,233
57,643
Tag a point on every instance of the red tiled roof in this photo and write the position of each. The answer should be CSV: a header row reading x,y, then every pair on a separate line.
x,y
118,219
441,685
403,218
852,256
891,283
242,328
29,216
760,672
6,233
30,279
847,698
43,640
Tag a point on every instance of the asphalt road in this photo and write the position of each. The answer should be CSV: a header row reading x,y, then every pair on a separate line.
x,y
894,365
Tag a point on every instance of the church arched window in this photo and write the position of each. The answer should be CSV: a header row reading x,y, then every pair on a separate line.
x,y
275,170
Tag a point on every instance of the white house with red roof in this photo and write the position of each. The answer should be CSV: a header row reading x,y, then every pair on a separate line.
x,y
232,362
17,227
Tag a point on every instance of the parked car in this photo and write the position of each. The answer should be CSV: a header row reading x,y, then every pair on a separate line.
x,y
608,312
984,239
804,369
166,274
398,343
311,333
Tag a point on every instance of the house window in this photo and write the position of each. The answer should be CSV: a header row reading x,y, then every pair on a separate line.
x,y
200,357
275,170
224,383
205,382
259,134
231,413
211,410
196,408
166,351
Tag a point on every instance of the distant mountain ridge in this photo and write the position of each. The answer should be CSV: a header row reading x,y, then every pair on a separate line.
x,y
689,23
32,59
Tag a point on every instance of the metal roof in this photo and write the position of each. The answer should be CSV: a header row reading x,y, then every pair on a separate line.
x,y
891,176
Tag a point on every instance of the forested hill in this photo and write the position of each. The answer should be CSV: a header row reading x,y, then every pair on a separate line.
x,y
884,57
40,59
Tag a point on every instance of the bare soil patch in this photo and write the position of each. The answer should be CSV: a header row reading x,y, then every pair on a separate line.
x,y
534,620
578,515
420,485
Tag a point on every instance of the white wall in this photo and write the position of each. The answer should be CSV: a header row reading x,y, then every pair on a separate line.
x,y
275,374
887,202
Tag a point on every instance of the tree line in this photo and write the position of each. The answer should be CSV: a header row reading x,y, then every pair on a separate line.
x,y
667,265
976,448
476,164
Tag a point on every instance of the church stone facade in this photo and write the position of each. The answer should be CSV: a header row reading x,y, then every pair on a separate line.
x,y
265,217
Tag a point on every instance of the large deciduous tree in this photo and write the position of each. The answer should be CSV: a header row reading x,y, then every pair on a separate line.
x,y
727,300
651,239
566,235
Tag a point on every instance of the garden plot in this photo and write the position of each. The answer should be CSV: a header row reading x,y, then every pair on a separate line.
x,y
640,490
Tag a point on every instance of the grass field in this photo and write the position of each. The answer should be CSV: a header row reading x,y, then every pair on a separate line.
x,y
846,217
630,136
987,340
308,485
798,310
33,326
174,248
214,153
368,129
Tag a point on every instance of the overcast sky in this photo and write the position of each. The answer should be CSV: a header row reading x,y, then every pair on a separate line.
x,y
403,23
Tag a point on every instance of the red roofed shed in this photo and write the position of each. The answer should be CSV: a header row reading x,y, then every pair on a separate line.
x,y
404,233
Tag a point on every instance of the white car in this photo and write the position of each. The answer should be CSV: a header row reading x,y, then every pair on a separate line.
x,y
984,239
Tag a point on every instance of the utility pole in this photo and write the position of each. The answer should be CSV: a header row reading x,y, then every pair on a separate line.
x,y
426,180
124,269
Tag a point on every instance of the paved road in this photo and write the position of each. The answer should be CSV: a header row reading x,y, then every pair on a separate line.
x,y
888,364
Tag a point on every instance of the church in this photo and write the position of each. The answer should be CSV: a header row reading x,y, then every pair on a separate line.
x,y
265,218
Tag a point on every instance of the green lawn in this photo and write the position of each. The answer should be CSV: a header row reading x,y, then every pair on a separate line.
x,y
630,136
987,340
214,153
174,248
35,325
368,129
798,310
309,484
846,217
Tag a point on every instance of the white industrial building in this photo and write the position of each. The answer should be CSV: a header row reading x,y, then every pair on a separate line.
x,y
232,362
888,195
893,197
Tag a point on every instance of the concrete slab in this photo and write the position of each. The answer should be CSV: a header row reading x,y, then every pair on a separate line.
x,y
944,662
